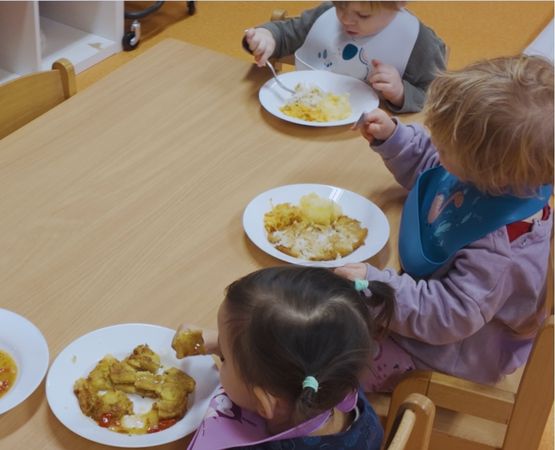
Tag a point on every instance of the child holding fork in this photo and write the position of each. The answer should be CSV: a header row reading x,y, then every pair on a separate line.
x,y
376,41
475,230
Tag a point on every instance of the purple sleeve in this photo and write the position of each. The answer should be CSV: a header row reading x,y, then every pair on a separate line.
x,y
407,153
455,305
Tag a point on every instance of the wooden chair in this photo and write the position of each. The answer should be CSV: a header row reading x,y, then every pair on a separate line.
x,y
411,424
463,405
29,96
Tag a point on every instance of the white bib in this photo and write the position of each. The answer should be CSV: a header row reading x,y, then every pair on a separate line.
x,y
328,47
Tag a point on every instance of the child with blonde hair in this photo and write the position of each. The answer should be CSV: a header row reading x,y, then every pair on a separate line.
x,y
475,230
294,343
375,41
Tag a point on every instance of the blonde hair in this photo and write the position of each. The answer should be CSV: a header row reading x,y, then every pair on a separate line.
x,y
494,120
372,6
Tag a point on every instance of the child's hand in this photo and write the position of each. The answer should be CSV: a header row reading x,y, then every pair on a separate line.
x,y
377,125
352,271
384,78
210,337
261,43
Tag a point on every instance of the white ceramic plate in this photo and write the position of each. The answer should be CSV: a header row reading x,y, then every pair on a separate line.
x,y
27,346
353,205
362,97
80,357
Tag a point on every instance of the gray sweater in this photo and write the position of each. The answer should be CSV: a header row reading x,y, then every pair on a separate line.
x,y
427,57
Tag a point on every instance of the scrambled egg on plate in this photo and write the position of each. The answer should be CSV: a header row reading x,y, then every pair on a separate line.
x,y
312,104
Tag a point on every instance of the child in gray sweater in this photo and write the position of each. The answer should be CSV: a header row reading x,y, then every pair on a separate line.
x,y
378,42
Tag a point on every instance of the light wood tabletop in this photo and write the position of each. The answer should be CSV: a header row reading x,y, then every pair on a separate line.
x,y
124,204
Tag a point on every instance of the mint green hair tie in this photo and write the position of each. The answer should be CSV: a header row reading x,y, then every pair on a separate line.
x,y
311,382
361,285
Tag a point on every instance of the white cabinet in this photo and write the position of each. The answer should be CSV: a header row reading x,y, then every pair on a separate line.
x,y
33,34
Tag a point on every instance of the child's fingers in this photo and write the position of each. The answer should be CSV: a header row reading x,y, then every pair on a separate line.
x,y
211,341
366,135
352,271
381,86
379,77
375,129
375,115
249,33
265,55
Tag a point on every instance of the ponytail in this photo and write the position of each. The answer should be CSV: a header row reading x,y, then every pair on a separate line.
x,y
380,299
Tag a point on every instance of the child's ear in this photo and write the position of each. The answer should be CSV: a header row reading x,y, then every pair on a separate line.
x,y
266,403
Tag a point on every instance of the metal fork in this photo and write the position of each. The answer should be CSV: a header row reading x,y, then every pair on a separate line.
x,y
280,84
269,64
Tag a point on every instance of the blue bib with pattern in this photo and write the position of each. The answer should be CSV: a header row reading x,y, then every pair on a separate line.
x,y
442,215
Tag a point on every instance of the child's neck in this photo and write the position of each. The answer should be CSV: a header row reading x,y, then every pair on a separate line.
x,y
337,423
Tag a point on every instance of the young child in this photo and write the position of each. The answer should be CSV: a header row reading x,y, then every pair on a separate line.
x,y
475,229
294,342
375,41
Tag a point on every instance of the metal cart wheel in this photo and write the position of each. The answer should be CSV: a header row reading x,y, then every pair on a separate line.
x,y
131,39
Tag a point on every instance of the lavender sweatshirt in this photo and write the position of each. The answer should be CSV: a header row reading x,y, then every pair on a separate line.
x,y
477,316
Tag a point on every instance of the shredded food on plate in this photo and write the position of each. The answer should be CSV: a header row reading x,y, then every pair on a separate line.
x,y
316,230
312,104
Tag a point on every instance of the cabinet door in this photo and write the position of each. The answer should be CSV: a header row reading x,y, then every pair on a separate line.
x,y
19,39
83,32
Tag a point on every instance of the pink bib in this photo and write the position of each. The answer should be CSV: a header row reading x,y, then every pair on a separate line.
x,y
226,425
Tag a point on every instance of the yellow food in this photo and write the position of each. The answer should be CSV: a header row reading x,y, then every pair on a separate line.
x,y
316,230
188,343
314,105
8,372
103,394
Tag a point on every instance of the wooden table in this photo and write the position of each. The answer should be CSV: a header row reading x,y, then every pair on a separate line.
x,y
124,204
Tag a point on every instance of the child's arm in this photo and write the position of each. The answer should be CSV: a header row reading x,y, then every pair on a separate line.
x,y
445,310
405,149
427,58
290,34
456,304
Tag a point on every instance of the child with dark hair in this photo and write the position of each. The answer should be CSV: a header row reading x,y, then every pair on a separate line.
x,y
295,343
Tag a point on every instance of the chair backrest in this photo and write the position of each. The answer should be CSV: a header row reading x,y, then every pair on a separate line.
x,y
29,96
412,424
525,412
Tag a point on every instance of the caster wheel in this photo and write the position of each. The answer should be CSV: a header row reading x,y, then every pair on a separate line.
x,y
128,41
191,8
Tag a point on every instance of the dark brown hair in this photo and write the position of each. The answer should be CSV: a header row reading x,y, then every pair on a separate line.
x,y
287,323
